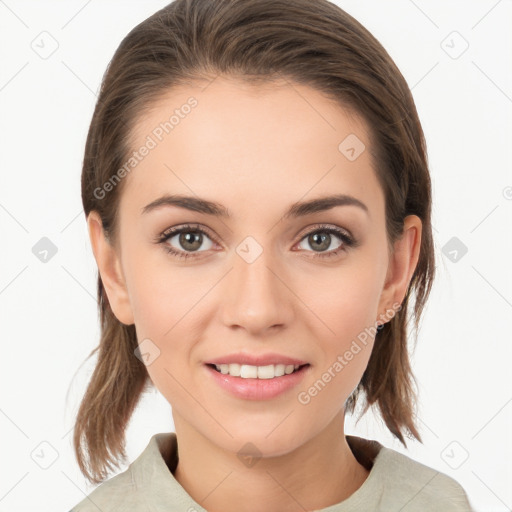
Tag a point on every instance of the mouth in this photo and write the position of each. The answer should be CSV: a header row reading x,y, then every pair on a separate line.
x,y
247,371
251,376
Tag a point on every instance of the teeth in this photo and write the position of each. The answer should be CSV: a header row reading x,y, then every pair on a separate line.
x,y
247,371
288,369
279,370
234,369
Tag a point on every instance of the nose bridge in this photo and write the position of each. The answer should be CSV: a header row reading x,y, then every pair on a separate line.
x,y
255,298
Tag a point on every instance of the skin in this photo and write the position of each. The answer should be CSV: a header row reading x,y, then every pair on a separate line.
x,y
256,150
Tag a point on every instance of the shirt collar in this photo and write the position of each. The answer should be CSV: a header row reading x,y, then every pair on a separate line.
x,y
152,473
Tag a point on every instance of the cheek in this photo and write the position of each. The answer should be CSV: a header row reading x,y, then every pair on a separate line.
x,y
164,303
344,301
344,327
324,396
162,306
160,295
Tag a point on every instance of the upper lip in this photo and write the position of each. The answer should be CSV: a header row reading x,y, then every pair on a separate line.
x,y
256,360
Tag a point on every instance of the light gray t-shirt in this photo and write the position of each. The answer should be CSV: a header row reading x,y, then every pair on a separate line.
x,y
395,483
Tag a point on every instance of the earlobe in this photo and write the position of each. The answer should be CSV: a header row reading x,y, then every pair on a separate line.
x,y
402,264
109,268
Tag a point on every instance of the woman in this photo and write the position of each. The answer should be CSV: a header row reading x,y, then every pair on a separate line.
x,y
258,201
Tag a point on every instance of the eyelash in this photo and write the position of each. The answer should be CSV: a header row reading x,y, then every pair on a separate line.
x,y
348,241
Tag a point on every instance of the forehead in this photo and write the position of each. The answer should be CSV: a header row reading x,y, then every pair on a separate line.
x,y
247,144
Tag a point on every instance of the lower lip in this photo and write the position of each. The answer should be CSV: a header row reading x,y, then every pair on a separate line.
x,y
257,389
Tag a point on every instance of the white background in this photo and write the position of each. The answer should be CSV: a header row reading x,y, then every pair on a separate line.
x,y
48,310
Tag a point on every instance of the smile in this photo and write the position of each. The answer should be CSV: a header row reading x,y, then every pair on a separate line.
x,y
246,371
251,382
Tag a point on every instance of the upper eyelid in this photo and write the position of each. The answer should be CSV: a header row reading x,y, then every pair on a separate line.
x,y
324,226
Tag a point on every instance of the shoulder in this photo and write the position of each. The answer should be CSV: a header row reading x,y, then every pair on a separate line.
x,y
417,486
146,481
116,493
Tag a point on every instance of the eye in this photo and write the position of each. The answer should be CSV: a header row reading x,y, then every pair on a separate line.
x,y
189,239
321,238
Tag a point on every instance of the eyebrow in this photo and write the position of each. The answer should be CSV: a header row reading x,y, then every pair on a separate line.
x,y
296,210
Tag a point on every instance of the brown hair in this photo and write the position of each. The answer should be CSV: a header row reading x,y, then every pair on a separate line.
x,y
313,43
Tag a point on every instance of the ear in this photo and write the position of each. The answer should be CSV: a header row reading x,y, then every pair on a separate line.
x,y
401,267
109,267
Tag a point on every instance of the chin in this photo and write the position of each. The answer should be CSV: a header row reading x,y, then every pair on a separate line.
x,y
264,441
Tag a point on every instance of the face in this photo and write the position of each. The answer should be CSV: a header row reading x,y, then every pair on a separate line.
x,y
251,280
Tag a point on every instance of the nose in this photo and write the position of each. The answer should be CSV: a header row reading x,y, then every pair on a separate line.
x,y
255,295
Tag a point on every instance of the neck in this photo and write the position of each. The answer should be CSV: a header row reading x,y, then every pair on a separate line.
x,y
321,472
